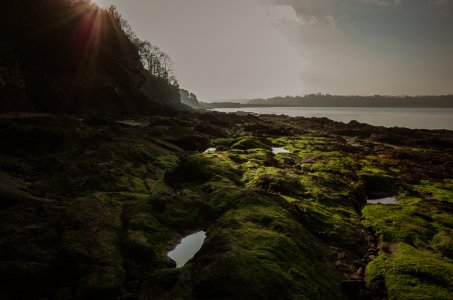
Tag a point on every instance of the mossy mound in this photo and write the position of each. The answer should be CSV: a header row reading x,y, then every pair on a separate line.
x,y
416,259
247,143
410,273
337,226
258,251
418,222
198,169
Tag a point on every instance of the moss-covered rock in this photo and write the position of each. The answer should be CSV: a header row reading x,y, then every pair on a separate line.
x,y
415,261
410,273
247,143
259,251
92,208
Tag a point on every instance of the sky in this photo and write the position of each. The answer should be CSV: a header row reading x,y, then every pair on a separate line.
x,y
241,49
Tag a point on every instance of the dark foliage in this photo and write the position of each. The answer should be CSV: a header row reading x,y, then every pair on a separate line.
x,y
71,56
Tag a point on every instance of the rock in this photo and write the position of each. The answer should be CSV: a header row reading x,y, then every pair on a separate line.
x,y
355,277
353,285
358,263
170,263
103,280
372,251
138,247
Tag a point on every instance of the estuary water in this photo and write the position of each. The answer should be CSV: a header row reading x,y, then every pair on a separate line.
x,y
409,117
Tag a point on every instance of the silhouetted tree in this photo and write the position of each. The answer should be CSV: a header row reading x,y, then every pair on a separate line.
x,y
157,62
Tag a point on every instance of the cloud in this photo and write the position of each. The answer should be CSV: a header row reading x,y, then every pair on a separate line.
x,y
370,46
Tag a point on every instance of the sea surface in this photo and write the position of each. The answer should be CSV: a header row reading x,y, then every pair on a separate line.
x,y
415,118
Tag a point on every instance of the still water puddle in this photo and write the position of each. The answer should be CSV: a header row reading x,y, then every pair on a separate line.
x,y
131,123
387,201
277,150
210,150
187,248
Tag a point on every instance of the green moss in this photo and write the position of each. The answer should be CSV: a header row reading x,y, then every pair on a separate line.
x,y
421,267
329,189
415,222
251,143
146,223
223,142
103,278
442,191
97,209
216,183
377,181
259,245
198,169
337,165
259,251
167,162
410,273
442,243
133,184
96,222
338,226
274,180
290,199
304,146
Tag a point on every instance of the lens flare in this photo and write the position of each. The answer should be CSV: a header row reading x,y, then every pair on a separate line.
x,y
102,3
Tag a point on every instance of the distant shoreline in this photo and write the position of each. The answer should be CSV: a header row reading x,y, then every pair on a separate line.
x,y
408,117
289,106
319,100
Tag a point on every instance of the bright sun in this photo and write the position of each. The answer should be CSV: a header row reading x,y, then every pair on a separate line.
x,y
103,3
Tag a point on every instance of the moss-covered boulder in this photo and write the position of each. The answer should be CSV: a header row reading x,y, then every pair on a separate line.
x,y
258,251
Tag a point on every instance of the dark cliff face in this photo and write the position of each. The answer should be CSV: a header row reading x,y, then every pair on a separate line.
x,y
64,56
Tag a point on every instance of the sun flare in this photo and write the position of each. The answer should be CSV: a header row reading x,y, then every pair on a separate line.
x,y
102,3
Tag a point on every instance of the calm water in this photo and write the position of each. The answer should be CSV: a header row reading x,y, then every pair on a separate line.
x,y
187,248
277,150
425,118
388,200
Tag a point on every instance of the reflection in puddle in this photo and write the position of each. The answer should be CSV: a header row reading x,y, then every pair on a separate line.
x,y
187,248
277,150
131,123
388,201
210,150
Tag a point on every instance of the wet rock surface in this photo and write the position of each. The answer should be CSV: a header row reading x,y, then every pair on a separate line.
x,y
89,208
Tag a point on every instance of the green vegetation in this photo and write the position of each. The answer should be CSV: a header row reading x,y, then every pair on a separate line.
x,y
259,251
282,226
418,246
91,201
410,273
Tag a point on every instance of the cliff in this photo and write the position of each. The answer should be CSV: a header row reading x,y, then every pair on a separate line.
x,y
71,56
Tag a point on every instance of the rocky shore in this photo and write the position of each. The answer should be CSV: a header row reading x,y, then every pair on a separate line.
x,y
89,207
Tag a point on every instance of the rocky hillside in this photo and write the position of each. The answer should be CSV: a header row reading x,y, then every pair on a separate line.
x,y
70,56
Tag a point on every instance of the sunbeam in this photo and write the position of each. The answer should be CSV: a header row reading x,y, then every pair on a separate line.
x,y
102,3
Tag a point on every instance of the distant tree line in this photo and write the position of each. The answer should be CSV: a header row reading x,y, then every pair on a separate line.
x,y
326,100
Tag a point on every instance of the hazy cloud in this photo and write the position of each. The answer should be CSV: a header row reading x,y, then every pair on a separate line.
x,y
371,46
227,49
